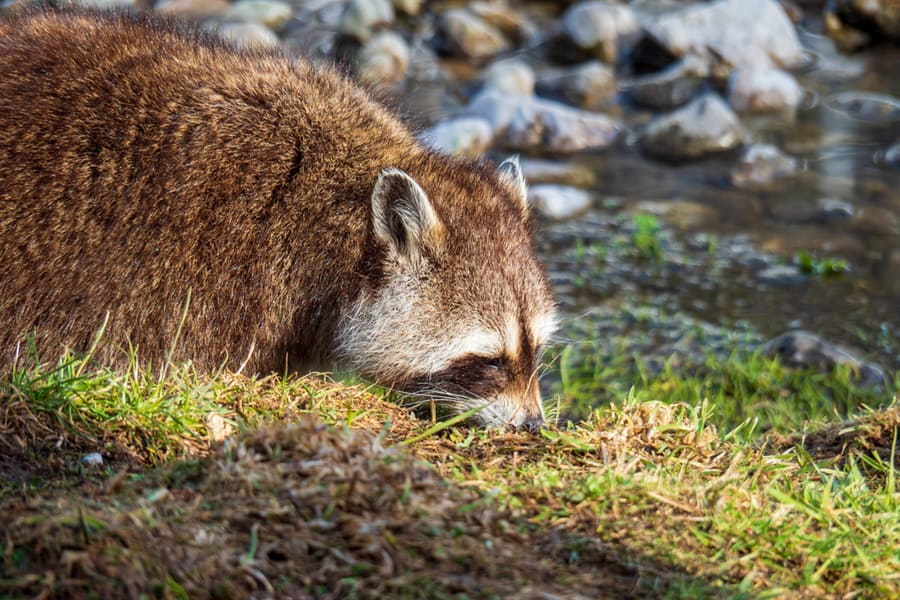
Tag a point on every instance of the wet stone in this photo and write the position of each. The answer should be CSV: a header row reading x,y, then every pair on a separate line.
x,y
865,106
469,136
383,59
192,8
672,86
781,275
741,32
545,126
596,27
408,7
248,35
511,76
508,21
558,202
806,350
834,209
589,85
704,126
761,164
463,33
758,90
881,17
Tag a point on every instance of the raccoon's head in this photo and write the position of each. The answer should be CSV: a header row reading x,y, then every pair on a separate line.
x,y
462,307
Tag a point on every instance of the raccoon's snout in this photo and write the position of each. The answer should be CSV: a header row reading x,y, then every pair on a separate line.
x,y
533,425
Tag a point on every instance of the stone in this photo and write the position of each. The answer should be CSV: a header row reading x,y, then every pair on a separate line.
x,y
589,85
597,27
468,136
806,350
670,87
545,126
763,89
781,275
703,127
360,17
760,164
868,17
463,33
891,156
248,35
537,170
743,33
408,7
383,59
194,9
271,13
835,209
866,106
682,214
511,76
508,21
92,459
558,202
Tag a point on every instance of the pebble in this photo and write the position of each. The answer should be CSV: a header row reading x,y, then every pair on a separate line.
x,y
835,209
466,34
758,90
511,76
781,275
248,35
808,351
537,170
588,85
468,136
383,59
408,7
510,22
884,15
760,164
546,126
670,87
271,13
682,214
217,428
704,126
597,27
558,202
742,32
93,459
192,8
360,17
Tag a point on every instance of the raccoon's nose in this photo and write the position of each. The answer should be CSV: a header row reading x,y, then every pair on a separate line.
x,y
533,425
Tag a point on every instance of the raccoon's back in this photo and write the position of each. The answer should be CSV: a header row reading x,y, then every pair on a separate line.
x,y
141,163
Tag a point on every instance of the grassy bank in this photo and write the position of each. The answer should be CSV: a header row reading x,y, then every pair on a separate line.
x,y
326,490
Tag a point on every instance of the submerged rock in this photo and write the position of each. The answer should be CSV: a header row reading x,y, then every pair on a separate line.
x,y
762,89
589,85
866,106
761,164
807,350
672,86
596,27
741,32
360,17
558,201
705,126
463,33
468,136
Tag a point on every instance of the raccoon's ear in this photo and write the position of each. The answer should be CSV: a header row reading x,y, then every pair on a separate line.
x,y
402,215
510,172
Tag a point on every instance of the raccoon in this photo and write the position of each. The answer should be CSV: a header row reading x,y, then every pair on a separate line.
x,y
239,208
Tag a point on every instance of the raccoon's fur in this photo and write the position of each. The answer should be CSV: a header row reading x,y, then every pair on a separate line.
x,y
143,164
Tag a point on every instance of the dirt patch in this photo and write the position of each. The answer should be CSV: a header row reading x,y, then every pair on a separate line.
x,y
299,510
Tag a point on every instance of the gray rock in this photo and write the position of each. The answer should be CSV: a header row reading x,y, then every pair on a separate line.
x,y
539,125
512,23
248,35
781,275
589,85
760,164
598,26
465,34
538,170
360,17
743,33
468,136
383,59
879,16
672,86
92,459
807,350
558,202
510,76
192,8
763,89
271,13
705,126
834,209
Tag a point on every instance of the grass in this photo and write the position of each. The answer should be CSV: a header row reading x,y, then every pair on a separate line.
x,y
668,491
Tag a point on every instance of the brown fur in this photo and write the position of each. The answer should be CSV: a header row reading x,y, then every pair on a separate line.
x,y
140,161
